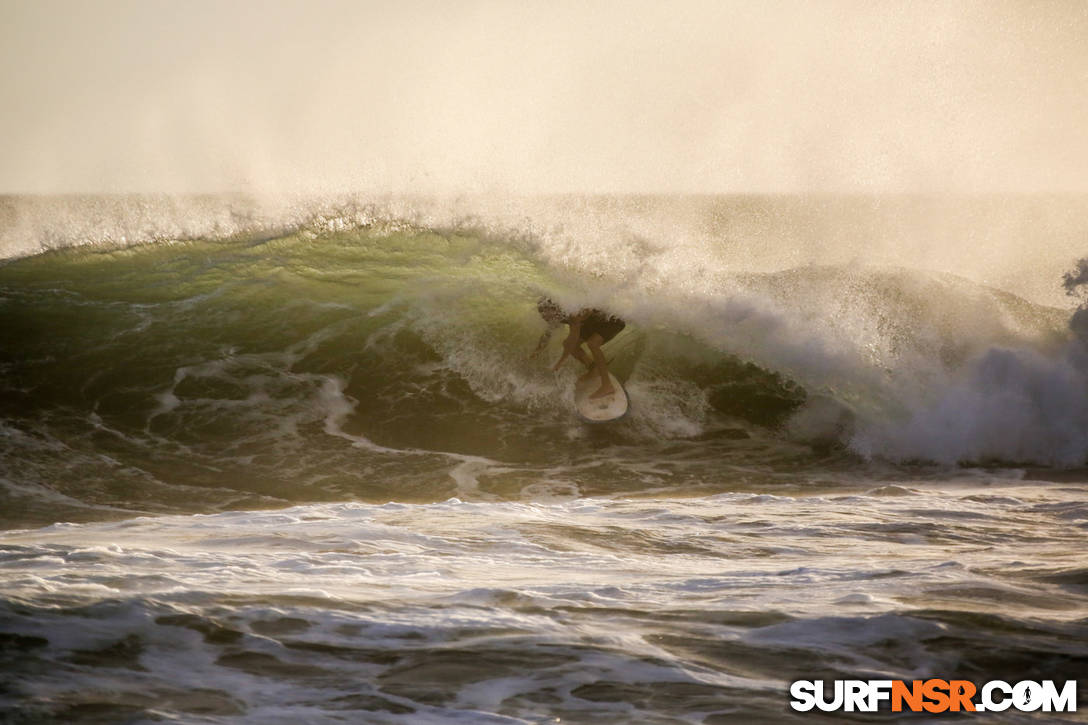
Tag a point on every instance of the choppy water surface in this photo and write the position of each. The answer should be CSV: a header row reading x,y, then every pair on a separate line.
x,y
594,610
302,468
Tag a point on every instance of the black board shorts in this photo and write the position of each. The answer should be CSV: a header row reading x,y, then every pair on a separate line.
x,y
601,324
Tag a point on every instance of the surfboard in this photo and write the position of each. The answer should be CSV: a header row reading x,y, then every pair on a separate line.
x,y
603,409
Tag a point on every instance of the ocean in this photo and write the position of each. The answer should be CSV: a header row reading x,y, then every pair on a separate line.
x,y
290,460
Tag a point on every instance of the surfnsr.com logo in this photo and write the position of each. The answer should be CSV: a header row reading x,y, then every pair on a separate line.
x,y
933,696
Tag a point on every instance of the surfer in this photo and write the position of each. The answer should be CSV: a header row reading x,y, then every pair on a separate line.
x,y
591,326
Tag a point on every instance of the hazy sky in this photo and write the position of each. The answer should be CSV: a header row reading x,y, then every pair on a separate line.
x,y
543,96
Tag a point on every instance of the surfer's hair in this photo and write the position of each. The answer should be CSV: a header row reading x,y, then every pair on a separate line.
x,y
549,310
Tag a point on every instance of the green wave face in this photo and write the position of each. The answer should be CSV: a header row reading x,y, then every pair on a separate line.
x,y
378,364
390,361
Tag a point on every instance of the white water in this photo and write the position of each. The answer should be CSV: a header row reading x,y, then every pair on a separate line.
x,y
531,611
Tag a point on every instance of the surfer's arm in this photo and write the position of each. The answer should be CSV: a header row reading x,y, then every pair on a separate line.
x,y
543,342
574,338
569,344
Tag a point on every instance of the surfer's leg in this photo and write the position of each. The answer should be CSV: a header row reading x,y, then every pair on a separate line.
x,y
580,355
600,366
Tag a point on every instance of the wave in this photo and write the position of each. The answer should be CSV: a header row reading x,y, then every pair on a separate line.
x,y
371,354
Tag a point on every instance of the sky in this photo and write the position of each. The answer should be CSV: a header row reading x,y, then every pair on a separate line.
x,y
543,97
